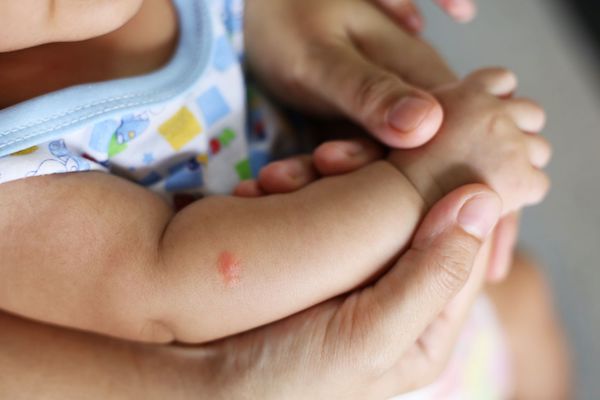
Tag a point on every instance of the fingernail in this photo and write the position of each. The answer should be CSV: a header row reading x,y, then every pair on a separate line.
x,y
479,215
414,23
293,170
352,149
461,10
409,113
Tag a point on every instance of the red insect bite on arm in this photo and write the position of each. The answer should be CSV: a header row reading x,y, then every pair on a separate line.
x,y
230,268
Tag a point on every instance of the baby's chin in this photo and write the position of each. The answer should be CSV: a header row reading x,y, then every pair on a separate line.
x,y
62,21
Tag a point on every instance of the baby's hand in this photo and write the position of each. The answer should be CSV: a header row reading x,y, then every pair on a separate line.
x,y
484,139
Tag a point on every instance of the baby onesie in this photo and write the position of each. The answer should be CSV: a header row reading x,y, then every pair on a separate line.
x,y
179,131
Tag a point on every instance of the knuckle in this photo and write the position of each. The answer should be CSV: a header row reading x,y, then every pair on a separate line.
x,y
296,74
371,92
495,124
452,269
473,97
304,69
517,154
371,361
367,347
375,364
424,51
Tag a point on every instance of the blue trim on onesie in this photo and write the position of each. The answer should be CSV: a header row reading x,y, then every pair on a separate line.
x,y
58,113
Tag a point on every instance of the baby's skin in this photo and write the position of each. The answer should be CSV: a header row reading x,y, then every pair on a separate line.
x,y
129,266
116,259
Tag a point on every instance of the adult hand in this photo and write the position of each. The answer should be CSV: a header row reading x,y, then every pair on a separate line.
x,y
385,339
504,241
420,363
343,156
408,15
348,58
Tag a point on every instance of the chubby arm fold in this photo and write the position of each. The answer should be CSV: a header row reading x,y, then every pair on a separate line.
x,y
95,252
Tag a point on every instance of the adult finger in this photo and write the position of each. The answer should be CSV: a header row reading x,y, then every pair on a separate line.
x,y
408,15
504,241
404,12
343,156
287,175
248,188
425,361
330,158
400,306
460,10
393,111
387,45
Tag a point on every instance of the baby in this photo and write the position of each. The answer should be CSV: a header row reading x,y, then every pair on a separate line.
x,y
163,124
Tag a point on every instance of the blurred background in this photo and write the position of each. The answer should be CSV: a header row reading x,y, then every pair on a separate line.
x,y
554,47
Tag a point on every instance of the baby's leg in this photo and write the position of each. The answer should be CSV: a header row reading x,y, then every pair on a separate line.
x,y
539,351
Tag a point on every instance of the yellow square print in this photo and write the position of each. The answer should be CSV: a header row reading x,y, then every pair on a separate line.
x,y
180,129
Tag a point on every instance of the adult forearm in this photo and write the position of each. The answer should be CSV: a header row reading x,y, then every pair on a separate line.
x,y
44,362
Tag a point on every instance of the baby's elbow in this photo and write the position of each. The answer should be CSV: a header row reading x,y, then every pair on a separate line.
x,y
131,323
156,331
131,302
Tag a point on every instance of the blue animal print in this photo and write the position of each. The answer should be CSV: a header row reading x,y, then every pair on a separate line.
x,y
102,134
110,137
63,161
131,127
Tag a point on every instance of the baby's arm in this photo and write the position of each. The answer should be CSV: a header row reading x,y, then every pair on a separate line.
x,y
95,252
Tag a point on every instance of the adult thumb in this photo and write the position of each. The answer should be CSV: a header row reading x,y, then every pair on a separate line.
x,y
395,112
400,306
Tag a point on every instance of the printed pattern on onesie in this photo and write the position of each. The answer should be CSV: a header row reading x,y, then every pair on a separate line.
x,y
189,147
